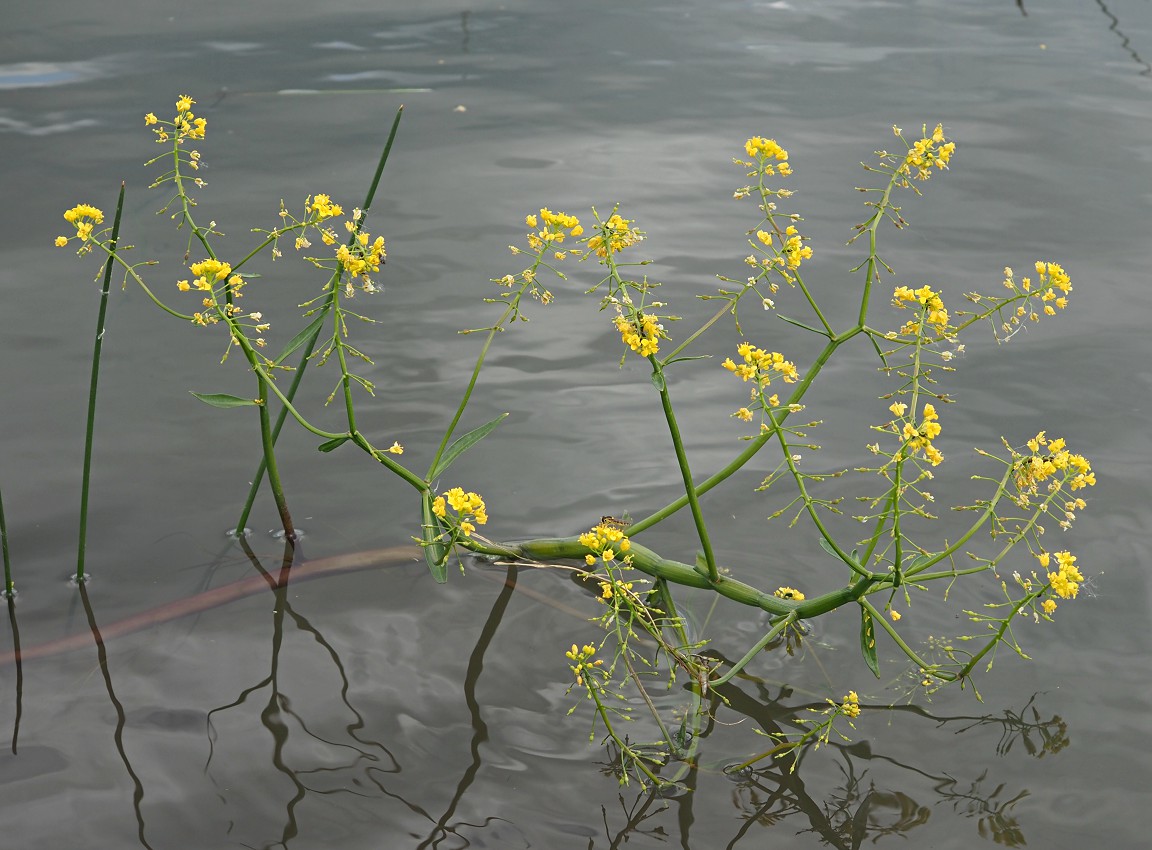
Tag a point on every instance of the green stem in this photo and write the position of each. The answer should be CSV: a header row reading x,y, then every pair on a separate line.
x,y
310,345
9,584
686,472
271,466
93,384
754,446
892,633
451,429
771,635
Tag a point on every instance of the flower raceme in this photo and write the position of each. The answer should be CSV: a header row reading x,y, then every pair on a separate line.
x,y
469,509
926,153
931,306
83,217
642,334
762,365
616,234
604,540
185,125
557,227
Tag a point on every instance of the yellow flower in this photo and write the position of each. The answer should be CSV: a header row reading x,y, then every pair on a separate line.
x,y
788,593
324,208
61,241
851,705
763,149
895,615
1049,605
150,118
184,103
396,449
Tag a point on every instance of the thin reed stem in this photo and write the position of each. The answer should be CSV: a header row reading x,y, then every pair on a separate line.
x,y
92,388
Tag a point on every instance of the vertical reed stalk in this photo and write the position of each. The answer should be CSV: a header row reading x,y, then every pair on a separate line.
x,y
94,382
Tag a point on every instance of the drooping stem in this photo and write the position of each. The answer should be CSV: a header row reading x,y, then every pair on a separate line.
x,y
93,384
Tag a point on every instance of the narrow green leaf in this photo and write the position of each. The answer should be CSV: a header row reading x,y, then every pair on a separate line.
x,y
332,444
435,552
868,641
224,400
666,363
303,337
463,444
802,325
827,547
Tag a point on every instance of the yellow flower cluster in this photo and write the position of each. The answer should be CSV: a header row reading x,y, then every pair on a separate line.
x,y
921,437
323,207
1065,582
553,231
1052,277
616,234
1031,471
929,302
186,125
606,541
794,249
850,707
82,217
788,593
926,153
764,150
469,507
643,337
363,257
610,589
581,656
762,365
206,269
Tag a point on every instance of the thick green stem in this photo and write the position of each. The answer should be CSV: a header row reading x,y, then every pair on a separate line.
x,y
271,466
93,384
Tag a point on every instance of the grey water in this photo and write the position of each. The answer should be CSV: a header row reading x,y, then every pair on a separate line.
x,y
377,709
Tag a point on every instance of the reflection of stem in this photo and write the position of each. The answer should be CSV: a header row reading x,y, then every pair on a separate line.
x,y
19,672
118,735
479,727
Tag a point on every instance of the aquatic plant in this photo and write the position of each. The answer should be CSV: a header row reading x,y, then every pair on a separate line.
x,y
893,558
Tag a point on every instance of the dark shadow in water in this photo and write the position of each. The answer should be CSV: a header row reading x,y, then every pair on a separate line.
x,y
118,735
857,812
1114,26
19,672
479,727
277,711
